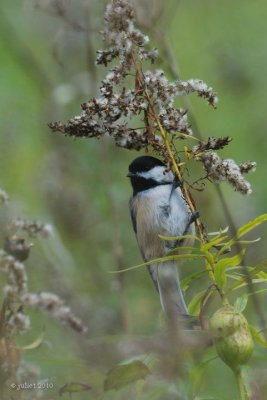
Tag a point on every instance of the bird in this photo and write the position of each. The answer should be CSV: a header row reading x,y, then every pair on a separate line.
x,y
158,207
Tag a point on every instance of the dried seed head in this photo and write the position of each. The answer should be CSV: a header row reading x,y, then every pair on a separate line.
x,y
17,247
33,229
175,120
200,87
111,112
211,144
121,35
18,322
249,166
17,280
219,169
52,304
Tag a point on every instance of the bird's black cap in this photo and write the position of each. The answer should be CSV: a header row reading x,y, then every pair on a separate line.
x,y
144,163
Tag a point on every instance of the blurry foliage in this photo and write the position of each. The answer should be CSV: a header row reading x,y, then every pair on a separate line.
x,y
47,69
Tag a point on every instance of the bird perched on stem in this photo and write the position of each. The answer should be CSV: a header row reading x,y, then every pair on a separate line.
x,y
158,208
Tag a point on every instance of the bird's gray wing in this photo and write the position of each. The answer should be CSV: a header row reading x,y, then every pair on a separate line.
x,y
152,269
133,216
171,295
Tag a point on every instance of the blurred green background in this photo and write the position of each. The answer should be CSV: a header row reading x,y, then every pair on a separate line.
x,y
79,186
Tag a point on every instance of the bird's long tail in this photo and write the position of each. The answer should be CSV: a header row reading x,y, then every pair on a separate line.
x,y
170,291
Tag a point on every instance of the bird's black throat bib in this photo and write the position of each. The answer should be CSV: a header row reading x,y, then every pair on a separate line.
x,y
141,184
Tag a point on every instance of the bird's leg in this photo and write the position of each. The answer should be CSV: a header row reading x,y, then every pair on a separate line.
x,y
194,217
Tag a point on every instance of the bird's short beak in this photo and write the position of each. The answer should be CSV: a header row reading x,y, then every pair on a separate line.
x,y
130,175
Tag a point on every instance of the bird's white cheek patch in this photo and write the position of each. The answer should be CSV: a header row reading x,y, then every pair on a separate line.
x,y
157,174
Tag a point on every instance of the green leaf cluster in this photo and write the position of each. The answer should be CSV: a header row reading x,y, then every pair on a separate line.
x,y
221,259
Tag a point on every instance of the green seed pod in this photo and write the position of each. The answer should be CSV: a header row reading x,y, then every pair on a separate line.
x,y
231,336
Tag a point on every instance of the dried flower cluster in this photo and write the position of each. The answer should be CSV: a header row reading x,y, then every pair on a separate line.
x,y
17,298
122,37
52,304
219,170
151,98
17,280
33,229
16,294
110,113
211,144
248,166
17,247
223,169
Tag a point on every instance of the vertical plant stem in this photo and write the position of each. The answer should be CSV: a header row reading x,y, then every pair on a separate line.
x,y
173,162
241,385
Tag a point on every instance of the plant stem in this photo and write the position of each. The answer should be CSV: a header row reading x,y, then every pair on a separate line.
x,y
164,135
241,386
176,169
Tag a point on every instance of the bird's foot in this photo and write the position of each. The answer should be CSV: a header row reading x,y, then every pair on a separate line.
x,y
176,183
194,217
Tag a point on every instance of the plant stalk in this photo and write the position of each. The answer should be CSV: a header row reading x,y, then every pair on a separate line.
x,y
176,169
241,385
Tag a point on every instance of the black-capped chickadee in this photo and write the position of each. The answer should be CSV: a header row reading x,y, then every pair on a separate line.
x,y
158,208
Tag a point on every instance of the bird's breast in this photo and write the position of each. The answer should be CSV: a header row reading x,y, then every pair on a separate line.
x,y
157,212
147,227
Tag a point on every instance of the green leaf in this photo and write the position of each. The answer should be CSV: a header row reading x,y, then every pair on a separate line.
x,y
241,303
74,387
243,280
252,241
122,375
243,283
180,237
220,232
258,336
213,242
160,260
232,276
249,226
194,305
262,275
183,248
258,292
199,301
35,344
222,265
